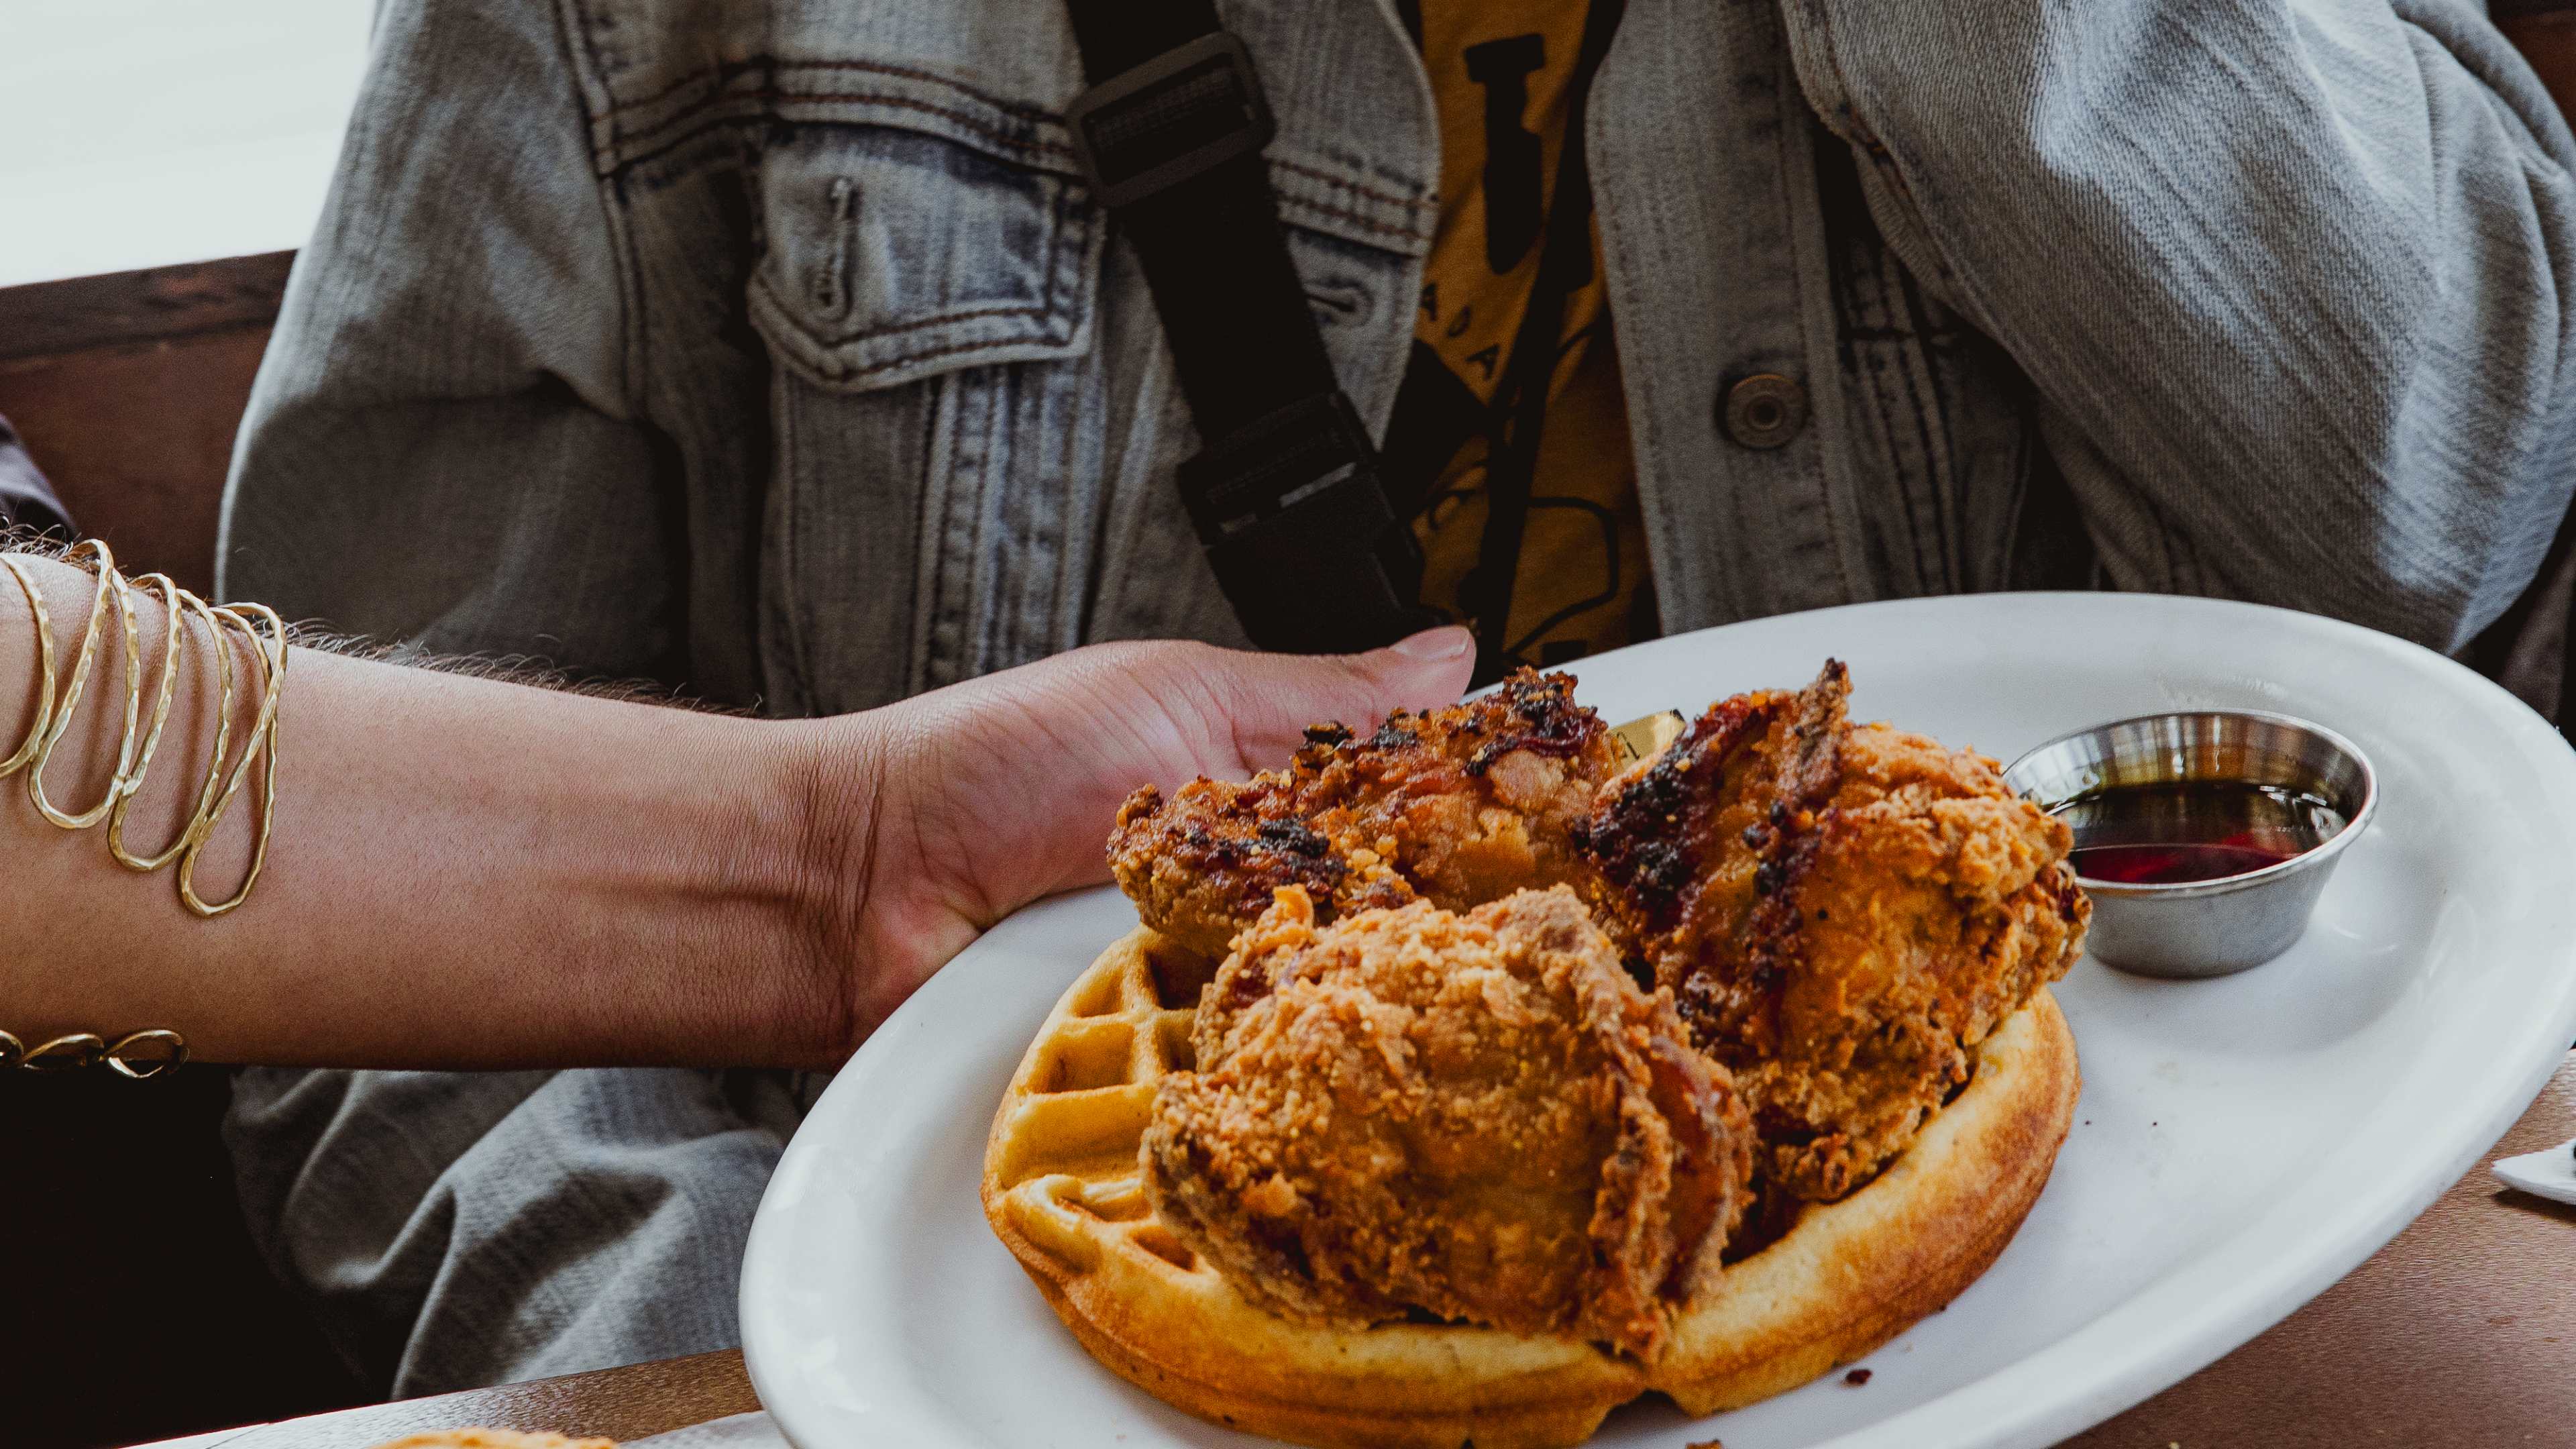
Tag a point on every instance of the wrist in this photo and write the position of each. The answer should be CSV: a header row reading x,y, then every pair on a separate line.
x,y
834,778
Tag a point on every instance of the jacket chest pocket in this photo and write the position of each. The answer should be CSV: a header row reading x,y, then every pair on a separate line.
x,y
927,302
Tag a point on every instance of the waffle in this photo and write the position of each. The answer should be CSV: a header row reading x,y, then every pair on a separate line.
x,y
1063,1190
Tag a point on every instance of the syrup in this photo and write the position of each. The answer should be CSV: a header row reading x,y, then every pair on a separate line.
x,y
2171,833
2171,864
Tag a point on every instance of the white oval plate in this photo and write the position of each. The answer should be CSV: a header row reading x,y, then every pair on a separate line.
x,y
2241,1143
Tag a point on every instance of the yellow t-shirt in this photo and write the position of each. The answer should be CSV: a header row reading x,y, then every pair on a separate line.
x,y
1503,75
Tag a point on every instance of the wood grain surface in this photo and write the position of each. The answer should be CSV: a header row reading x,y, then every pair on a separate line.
x,y
2460,1332
157,304
618,1403
128,389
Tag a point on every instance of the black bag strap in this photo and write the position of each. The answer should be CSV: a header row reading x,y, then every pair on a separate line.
x,y
1285,492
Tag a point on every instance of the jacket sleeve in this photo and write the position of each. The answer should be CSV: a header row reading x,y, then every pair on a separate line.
x,y
2292,278
26,499
441,447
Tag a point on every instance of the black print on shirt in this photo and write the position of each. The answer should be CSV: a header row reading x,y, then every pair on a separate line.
x,y
1512,211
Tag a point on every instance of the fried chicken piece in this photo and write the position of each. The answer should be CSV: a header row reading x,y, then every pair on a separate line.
x,y
1476,1117
1842,914
1461,805
1926,906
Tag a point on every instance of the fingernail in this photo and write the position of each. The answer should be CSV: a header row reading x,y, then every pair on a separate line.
x,y
1446,642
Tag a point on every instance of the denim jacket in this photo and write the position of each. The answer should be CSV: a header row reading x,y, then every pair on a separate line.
x,y
779,349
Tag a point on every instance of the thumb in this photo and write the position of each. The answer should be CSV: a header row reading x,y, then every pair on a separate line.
x,y
1269,699
1057,744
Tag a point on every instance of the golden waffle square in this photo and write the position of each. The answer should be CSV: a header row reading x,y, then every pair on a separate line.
x,y
1064,1190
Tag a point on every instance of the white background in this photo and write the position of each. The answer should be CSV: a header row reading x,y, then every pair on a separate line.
x,y
137,133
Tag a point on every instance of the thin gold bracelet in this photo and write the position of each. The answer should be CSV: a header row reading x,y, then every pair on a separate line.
x,y
111,589
58,702
141,1055
35,741
176,602
261,748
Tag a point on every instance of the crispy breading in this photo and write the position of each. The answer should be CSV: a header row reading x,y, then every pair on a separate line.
x,y
1929,903
1461,805
1842,913
1476,1117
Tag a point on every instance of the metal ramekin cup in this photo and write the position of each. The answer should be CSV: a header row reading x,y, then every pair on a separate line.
x,y
2210,927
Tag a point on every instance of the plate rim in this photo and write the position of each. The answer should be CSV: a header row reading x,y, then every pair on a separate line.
x,y
1998,1411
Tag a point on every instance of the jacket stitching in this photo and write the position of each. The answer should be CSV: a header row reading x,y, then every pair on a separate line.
x,y
791,456
1409,203
1357,219
581,64
1923,387
962,314
1872,369
1922,512
707,120
1914,483
1000,138
719,74
1068,247
938,515
621,138
1814,464
908,358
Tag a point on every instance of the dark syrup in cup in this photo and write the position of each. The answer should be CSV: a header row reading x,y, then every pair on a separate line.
x,y
2174,833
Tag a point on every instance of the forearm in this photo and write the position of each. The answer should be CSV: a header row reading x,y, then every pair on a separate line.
x,y
462,873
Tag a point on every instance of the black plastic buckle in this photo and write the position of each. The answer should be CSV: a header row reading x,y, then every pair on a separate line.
x,y
1297,527
1191,108
1275,461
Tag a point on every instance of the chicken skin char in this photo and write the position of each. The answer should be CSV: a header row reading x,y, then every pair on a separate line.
x,y
1687,844
1842,913
1460,806
1477,1117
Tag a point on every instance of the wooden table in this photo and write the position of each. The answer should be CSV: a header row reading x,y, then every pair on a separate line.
x,y
2462,1331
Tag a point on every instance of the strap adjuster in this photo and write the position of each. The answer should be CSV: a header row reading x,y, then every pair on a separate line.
x,y
1296,525
1275,462
1192,108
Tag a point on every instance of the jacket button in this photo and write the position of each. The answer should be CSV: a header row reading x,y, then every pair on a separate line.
x,y
1764,410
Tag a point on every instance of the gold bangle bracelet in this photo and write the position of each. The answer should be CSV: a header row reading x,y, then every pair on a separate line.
x,y
35,741
176,602
59,697
259,747
140,1055
111,590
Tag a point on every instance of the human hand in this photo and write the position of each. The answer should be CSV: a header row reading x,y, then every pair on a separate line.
x,y
936,817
